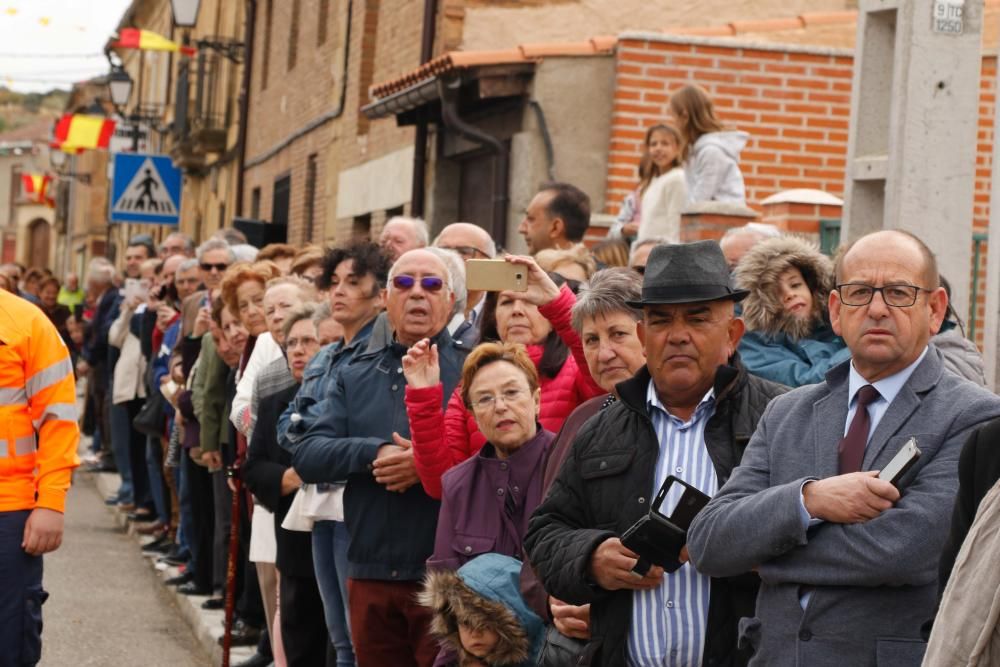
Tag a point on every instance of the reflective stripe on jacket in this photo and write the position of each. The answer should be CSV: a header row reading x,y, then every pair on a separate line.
x,y
38,412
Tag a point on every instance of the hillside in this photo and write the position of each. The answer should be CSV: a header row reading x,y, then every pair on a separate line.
x,y
22,109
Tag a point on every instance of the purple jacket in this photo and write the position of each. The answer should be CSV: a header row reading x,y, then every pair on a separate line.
x,y
486,503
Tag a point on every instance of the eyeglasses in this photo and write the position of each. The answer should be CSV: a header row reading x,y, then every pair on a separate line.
x,y
897,296
487,402
466,251
427,283
305,341
205,266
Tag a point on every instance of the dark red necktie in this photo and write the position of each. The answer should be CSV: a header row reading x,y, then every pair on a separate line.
x,y
852,447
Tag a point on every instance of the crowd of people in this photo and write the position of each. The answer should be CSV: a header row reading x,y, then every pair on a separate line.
x,y
369,463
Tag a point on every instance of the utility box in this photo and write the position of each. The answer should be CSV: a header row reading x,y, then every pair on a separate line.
x,y
911,153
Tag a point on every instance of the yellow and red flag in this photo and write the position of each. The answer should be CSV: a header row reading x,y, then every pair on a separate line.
x,y
36,188
75,132
133,38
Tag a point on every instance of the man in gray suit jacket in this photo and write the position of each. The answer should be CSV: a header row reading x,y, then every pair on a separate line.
x,y
848,563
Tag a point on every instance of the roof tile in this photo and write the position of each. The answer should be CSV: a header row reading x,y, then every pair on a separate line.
x,y
767,25
810,19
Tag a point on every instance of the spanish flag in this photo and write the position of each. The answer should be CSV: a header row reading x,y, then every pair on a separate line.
x,y
133,38
76,132
36,187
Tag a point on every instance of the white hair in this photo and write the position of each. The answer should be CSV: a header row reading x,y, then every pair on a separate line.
x,y
758,230
244,252
101,271
418,226
491,246
456,276
188,264
453,268
215,244
652,240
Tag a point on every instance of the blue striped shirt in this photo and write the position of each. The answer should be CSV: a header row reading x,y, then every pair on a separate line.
x,y
669,622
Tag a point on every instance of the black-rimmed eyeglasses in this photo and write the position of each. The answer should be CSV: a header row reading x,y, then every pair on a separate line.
x,y
897,296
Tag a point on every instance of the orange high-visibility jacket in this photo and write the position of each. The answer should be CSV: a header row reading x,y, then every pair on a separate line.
x,y
38,414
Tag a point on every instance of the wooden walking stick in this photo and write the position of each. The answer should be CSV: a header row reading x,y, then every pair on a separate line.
x,y
234,553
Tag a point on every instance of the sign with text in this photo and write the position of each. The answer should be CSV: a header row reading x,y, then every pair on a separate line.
x,y
948,17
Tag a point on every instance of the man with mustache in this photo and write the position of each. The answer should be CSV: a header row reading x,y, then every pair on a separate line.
x,y
688,412
848,561
361,436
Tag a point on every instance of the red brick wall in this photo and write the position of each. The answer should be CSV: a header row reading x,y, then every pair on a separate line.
x,y
795,105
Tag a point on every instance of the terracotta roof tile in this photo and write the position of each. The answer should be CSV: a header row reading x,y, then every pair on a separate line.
x,y
810,19
524,53
767,25
704,31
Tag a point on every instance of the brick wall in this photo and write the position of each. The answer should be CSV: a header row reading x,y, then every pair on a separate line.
x,y
292,98
795,103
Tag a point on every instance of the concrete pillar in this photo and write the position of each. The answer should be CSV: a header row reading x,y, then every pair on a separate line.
x,y
800,211
912,145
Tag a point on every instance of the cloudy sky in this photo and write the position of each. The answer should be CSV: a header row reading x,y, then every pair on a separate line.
x,y
48,44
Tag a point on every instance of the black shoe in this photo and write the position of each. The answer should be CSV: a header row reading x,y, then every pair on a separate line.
x,y
160,545
182,578
191,588
242,634
141,517
214,604
175,556
256,660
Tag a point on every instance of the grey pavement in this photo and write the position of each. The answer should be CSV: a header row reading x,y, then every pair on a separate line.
x,y
107,605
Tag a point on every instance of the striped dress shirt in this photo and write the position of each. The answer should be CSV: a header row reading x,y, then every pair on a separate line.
x,y
669,622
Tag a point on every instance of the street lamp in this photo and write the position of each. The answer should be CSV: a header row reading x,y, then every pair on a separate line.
x,y
185,12
57,158
119,86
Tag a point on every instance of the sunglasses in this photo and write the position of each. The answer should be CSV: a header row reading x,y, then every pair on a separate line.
x,y
218,267
427,283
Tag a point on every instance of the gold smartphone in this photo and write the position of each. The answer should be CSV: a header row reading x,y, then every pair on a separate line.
x,y
495,275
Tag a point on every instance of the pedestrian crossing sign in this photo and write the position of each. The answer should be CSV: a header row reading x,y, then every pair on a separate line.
x,y
145,188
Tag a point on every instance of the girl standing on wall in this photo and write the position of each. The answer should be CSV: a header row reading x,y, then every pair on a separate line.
x,y
654,209
711,153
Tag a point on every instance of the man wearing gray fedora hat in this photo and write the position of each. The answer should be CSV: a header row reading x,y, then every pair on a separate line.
x,y
688,413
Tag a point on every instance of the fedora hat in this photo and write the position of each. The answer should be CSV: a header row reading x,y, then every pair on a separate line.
x,y
686,273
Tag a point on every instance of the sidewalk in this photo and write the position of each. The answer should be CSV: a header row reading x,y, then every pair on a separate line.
x,y
206,625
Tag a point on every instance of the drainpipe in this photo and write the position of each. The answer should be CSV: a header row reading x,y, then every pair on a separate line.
x,y
241,135
449,113
420,140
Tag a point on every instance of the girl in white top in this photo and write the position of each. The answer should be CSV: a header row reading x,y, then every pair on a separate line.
x,y
657,203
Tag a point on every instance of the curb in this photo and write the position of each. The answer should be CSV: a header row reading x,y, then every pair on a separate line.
x,y
206,624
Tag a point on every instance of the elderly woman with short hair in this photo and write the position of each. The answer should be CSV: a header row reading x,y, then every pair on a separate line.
x,y
269,476
608,327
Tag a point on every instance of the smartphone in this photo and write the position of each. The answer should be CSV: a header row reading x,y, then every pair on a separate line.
x,y
137,288
658,537
679,502
901,463
495,275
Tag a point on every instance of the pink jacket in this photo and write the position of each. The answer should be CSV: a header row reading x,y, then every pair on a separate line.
x,y
441,441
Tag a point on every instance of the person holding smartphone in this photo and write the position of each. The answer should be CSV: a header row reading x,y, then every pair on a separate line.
x,y
687,412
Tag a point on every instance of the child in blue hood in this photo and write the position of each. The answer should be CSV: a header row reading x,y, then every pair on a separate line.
x,y
479,616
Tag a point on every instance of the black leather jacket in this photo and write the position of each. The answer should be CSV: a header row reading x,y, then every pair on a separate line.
x,y
603,488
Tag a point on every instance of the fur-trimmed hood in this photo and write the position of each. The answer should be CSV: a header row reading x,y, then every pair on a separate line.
x,y
758,272
484,594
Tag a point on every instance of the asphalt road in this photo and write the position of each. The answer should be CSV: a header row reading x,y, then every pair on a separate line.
x,y
106,607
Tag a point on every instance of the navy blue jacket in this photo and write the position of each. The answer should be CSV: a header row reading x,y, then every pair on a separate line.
x,y
392,534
